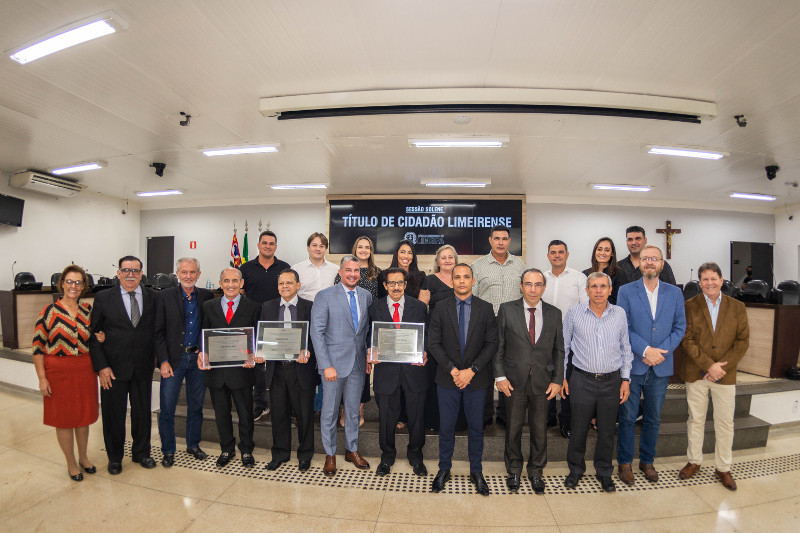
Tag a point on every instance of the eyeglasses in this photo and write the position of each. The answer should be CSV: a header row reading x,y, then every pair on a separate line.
x,y
651,259
73,282
528,285
131,270
394,283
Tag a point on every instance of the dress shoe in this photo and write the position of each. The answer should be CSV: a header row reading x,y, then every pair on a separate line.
x,y
114,468
537,482
147,462
649,472
330,466
572,480
727,479
606,483
442,477
625,473
76,477
512,482
168,460
420,469
565,432
480,484
383,469
303,466
225,458
248,459
198,454
356,459
275,464
688,471
91,470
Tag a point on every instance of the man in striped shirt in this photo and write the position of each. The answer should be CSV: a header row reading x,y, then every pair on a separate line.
x,y
597,333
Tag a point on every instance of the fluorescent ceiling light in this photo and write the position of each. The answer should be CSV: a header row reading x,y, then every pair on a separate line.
x,y
78,168
241,150
76,33
685,152
299,186
159,193
751,196
631,188
456,182
458,142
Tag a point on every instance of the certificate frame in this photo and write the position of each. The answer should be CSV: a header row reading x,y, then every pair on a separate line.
x,y
412,342
273,330
213,360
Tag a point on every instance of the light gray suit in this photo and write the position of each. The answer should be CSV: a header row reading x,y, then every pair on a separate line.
x,y
340,345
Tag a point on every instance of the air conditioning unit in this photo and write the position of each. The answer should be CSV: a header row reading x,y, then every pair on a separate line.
x,y
46,184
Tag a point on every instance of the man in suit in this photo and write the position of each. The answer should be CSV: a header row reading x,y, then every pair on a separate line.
x,y
177,340
125,362
291,383
232,310
717,337
656,324
339,326
392,378
529,366
463,340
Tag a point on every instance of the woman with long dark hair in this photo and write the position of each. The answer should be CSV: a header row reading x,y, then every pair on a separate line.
x,y
604,259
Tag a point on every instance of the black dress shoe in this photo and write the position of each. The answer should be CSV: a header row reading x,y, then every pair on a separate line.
x,y
275,463
225,458
571,481
147,462
303,466
420,469
91,470
248,459
76,477
537,482
565,432
383,469
168,460
114,468
512,482
480,484
442,477
606,483
198,454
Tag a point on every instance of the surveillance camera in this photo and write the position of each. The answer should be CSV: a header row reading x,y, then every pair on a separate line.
x,y
161,166
772,171
124,212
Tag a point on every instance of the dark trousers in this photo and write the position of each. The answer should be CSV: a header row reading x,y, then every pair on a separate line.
x,y
259,393
534,402
489,410
564,415
114,408
389,409
449,406
243,400
587,397
432,398
286,397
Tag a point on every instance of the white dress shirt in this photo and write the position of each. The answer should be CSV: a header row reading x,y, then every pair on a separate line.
x,y
566,289
313,278
401,301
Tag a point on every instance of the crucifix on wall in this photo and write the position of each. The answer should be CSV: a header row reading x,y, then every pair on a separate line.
x,y
669,232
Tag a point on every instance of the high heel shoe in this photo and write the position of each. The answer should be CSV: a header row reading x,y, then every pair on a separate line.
x,y
91,470
76,477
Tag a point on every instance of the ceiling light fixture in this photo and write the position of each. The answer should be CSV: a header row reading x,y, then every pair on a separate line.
x,y
458,142
289,187
241,150
78,168
456,182
753,196
170,192
79,32
685,152
630,188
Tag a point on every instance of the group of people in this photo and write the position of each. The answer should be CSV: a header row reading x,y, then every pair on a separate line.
x,y
602,341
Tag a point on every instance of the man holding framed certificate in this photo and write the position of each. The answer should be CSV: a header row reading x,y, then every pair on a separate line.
x,y
390,378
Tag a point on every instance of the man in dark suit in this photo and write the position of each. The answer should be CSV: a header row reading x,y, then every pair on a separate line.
x,y
291,383
463,340
232,310
125,362
390,379
177,339
530,370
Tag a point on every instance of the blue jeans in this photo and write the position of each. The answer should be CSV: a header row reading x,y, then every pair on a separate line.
x,y
654,389
195,392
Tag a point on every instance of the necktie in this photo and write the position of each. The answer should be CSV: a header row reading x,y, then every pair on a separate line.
x,y
396,314
135,313
462,327
353,309
532,325
229,313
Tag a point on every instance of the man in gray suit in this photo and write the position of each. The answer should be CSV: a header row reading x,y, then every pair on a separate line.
x,y
530,369
339,325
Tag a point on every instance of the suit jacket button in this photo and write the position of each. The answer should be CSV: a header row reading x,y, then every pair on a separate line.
x,y
713,347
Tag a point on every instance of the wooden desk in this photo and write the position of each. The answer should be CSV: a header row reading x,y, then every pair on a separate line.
x,y
19,311
774,339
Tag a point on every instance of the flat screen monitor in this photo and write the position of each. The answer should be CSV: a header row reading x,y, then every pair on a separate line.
x,y
11,210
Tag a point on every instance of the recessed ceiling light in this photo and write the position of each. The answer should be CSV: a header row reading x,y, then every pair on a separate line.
x,y
289,187
456,182
630,188
159,193
458,142
211,152
76,33
753,196
685,152
78,168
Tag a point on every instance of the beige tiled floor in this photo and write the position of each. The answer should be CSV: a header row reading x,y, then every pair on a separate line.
x,y
37,495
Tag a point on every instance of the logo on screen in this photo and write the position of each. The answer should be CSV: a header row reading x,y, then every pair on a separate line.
x,y
410,236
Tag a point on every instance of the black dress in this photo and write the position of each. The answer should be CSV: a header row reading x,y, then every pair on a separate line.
x,y
438,289
618,279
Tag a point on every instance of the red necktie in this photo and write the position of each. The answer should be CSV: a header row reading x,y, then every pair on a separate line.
x,y
532,325
229,314
396,315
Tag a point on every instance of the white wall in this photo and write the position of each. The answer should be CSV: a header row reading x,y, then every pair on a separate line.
x,y
787,255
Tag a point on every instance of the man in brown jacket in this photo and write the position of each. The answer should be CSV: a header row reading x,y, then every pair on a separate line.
x,y
717,336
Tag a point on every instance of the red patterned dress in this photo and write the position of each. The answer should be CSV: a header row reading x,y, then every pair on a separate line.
x,y
62,339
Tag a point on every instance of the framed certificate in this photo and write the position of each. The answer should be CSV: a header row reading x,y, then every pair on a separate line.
x,y
281,341
398,342
227,347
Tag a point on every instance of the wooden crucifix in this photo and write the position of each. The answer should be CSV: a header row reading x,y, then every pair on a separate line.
x,y
669,232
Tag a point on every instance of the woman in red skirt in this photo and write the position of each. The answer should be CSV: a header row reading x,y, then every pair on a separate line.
x,y
66,377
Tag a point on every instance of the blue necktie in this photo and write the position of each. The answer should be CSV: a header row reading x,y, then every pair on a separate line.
x,y
462,327
353,309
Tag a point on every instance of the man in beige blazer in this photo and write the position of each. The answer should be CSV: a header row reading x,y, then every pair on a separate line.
x,y
717,336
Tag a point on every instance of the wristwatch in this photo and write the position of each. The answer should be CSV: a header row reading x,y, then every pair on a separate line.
x,y
474,369
626,379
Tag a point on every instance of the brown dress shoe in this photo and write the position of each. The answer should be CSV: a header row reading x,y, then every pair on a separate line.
x,y
330,466
626,474
688,471
649,472
356,459
727,479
